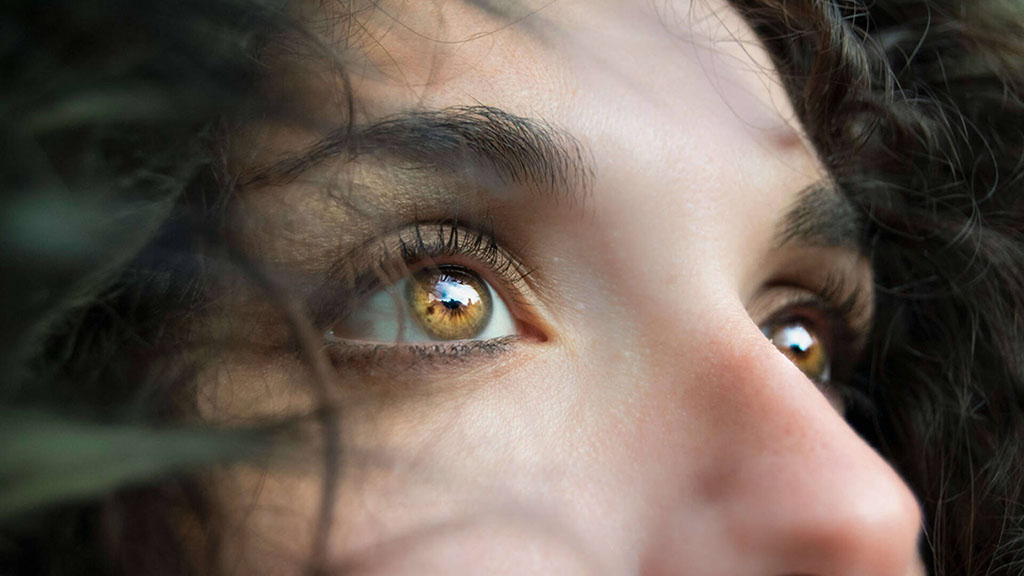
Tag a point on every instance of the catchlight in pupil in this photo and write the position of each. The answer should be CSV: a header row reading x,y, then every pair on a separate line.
x,y
802,345
449,302
441,303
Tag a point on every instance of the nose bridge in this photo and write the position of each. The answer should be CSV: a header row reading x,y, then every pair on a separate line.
x,y
786,485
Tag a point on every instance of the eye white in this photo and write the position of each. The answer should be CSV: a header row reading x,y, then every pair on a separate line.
x,y
384,317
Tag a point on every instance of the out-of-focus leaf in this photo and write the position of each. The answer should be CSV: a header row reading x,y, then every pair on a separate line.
x,y
47,460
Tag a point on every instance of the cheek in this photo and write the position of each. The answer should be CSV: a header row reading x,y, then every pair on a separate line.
x,y
499,544
407,531
253,387
458,475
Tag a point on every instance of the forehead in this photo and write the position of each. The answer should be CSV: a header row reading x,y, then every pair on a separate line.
x,y
561,59
677,104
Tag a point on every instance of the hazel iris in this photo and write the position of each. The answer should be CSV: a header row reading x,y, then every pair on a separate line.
x,y
804,348
449,302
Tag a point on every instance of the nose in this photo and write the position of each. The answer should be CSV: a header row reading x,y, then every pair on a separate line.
x,y
785,485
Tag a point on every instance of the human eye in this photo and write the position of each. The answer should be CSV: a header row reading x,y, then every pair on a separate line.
x,y
822,332
441,303
435,291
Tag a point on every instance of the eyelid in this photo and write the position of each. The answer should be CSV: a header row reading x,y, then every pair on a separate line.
x,y
781,303
835,326
838,279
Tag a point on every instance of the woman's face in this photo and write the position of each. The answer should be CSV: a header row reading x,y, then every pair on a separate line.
x,y
589,297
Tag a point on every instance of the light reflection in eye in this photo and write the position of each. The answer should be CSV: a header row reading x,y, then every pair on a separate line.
x,y
449,303
448,290
443,303
800,342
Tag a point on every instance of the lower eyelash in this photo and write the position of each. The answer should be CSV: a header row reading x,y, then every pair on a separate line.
x,y
404,356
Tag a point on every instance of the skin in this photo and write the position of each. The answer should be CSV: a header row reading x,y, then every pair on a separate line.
x,y
641,423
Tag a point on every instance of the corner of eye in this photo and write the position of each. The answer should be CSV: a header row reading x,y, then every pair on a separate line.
x,y
535,331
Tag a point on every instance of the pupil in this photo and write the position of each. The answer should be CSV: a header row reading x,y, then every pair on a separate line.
x,y
453,293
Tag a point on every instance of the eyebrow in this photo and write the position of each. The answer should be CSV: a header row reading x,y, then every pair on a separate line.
x,y
822,216
536,155
523,151
478,139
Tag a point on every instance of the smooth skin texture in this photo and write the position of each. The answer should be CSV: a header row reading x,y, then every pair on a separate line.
x,y
641,423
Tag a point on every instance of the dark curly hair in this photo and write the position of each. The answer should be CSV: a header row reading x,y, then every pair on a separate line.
x,y
114,117
916,108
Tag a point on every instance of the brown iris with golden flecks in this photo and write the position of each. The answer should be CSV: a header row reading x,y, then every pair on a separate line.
x,y
449,302
803,347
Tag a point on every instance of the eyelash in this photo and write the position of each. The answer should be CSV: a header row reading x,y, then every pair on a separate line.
x,y
449,239
393,256
832,308
434,353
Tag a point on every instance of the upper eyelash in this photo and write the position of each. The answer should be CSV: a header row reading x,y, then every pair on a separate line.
x,y
840,303
846,300
846,304
841,299
835,298
440,239
357,275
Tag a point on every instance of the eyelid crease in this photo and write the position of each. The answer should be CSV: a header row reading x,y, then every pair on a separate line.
x,y
389,257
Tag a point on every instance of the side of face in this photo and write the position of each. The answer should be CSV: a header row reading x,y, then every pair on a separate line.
x,y
641,403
